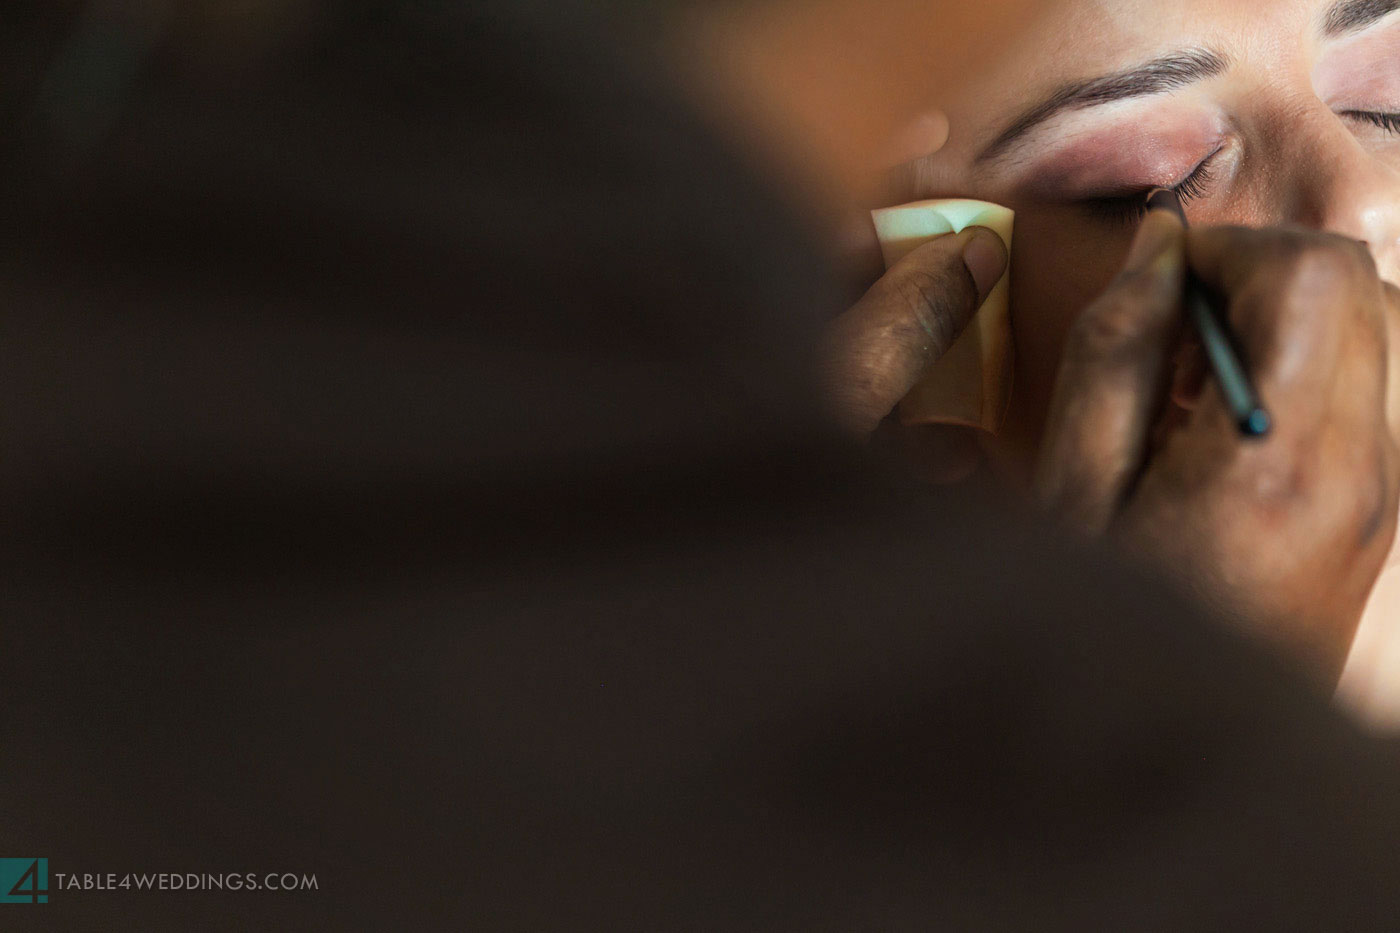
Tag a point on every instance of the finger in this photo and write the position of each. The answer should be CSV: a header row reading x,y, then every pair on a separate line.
x,y
1112,382
1227,259
1190,370
877,351
1297,300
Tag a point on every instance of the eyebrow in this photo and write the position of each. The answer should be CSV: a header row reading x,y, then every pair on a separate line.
x,y
1352,15
1155,77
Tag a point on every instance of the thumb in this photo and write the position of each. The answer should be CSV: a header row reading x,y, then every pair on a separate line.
x,y
1112,381
878,350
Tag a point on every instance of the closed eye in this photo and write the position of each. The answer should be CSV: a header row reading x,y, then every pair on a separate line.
x,y
1130,206
1390,122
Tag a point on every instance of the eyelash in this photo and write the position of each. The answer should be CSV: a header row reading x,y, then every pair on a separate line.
x,y
1130,208
1390,122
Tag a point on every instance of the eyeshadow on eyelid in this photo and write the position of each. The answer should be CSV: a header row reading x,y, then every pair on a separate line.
x,y
1105,163
1125,147
1362,72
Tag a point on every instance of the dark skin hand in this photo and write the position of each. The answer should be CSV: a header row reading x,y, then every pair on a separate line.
x,y
879,350
1288,533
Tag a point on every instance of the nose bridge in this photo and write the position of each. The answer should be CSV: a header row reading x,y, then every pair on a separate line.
x,y
1337,185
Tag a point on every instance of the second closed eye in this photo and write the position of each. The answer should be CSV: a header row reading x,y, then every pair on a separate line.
x,y
1390,122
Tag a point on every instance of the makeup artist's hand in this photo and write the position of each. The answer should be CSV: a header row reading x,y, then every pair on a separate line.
x,y
1289,532
877,351
880,349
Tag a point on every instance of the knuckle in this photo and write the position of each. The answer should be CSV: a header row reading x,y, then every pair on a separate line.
x,y
1360,253
1104,329
1112,326
1283,483
1283,241
1353,496
1372,511
1326,262
1371,497
1321,266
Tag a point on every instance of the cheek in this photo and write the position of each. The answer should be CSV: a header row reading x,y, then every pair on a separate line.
x,y
1059,270
1061,262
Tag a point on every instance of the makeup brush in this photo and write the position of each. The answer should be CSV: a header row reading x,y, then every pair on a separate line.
x,y
1221,346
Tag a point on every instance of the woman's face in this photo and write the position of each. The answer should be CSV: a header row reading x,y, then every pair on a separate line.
x,y
1257,111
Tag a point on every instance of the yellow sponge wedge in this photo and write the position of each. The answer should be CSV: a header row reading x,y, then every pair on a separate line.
x,y
971,384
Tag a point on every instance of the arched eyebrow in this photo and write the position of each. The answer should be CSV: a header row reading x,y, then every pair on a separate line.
x,y
1155,77
1352,15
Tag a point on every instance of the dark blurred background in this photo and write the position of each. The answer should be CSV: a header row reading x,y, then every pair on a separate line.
x,y
410,477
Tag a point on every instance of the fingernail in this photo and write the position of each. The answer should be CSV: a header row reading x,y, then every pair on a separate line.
x,y
985,257
1157,232
1165,199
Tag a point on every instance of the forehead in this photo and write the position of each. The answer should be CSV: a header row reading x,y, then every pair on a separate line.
x,y
1098,33
1078,40
1104,25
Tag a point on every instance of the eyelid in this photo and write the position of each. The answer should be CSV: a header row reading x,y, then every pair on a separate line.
x,y
1359,70
1153,149
1130,207
1389,121
1135,188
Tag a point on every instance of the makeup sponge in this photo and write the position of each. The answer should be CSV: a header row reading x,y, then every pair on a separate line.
x,y
971,384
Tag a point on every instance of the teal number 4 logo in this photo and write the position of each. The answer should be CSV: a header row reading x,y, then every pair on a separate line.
x,y
24,881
